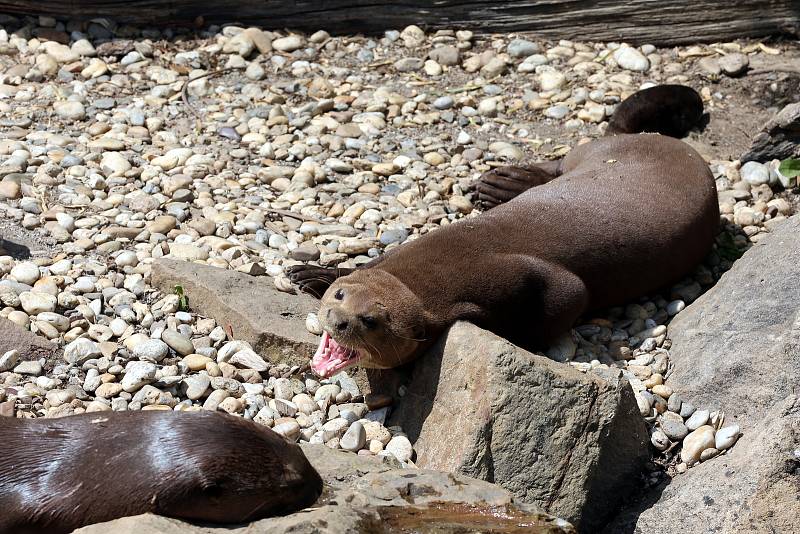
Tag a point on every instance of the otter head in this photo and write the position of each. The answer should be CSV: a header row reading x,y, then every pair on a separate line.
x,y
369,318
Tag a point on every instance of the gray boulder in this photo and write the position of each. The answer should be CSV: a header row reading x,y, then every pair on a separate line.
x,y
737,348
365,495
272,322
570,442
779,139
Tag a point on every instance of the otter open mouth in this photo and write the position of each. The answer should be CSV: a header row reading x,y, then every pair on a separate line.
x,y
331,357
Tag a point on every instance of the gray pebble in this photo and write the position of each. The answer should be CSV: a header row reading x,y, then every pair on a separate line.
x,y
354,439
179,343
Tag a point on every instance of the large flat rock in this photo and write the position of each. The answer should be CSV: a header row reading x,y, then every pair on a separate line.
x,y
569,442
365,495
273,322
737,348
29,345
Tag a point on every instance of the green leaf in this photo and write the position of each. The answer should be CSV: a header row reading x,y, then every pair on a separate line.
x,y
183,301
790,168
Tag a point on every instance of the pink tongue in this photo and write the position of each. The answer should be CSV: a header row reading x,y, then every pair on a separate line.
x,y
330,356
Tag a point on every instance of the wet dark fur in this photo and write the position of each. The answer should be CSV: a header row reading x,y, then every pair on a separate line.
x,y
57,475
616,218
666,109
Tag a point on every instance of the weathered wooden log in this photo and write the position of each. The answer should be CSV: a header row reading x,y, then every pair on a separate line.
x,y
663,22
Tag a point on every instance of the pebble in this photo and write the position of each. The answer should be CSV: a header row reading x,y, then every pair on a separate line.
x,y
696,442
400,447
179,343
754,173
138,374
734,64
26,273
81,350
8,360
631,59
659,440
522,48
674,430
697,419
726,437
354,438
70,110
35,303
32,368
152,350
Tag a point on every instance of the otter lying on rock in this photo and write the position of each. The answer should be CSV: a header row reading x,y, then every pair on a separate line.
x,y
57,475
616,218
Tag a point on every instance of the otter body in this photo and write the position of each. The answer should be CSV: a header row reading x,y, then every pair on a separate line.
x,y
618,217
57,475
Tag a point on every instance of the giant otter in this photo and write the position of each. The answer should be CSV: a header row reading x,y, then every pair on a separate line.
x,y
616,218
57,475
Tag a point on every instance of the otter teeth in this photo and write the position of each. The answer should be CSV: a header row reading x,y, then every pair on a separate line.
x,y
332,357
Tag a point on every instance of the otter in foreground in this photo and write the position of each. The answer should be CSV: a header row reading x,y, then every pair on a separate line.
x,y
57,475
616,218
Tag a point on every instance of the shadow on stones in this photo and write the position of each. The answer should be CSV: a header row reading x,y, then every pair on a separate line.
x,y
625,521
388,381
15,250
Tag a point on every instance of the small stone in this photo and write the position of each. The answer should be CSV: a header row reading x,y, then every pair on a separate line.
x,y
80,350
662,391
734,64
659,440
248,359
443,102
409,64
288,44
674,403
138,374
108,390
754,173
696,442
70,110
551,80
708,454
152,350
674,430
445,55
290,430
354,439
631,59
675,307
522,48
401,448
687,409
8,360
179,343
32,368
196,362
35,303
726,437
26,273
698,419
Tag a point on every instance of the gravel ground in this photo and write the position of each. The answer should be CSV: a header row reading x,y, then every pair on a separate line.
x,y
121,146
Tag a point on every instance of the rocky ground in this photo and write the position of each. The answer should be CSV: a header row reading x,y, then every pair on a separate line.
x,y
250,151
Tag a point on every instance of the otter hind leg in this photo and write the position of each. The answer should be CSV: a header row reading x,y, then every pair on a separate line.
x,y
315,280
502,184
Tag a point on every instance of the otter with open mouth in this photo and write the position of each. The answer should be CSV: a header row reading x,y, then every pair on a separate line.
x,y
616,218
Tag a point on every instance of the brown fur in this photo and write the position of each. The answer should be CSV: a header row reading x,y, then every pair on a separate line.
x,y
57,475
616,218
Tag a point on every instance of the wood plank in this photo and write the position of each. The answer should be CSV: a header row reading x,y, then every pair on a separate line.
x,y
662,22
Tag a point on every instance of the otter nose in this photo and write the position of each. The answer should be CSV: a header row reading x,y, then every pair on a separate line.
x,y
338,322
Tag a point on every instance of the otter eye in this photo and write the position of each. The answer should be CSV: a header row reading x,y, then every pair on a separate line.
x,y
369,322
339,295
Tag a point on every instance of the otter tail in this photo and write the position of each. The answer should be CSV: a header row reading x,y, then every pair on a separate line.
x,y
670,110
